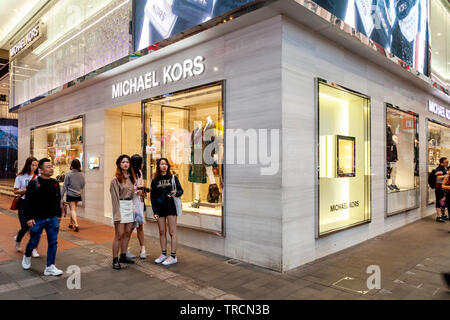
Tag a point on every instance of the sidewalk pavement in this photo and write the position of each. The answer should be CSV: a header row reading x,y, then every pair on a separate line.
x,y
410,259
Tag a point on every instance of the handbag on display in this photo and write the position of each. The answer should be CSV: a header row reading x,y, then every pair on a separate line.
x,y
177,200
213,193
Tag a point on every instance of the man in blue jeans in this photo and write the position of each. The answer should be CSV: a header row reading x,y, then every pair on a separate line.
x,y
42,211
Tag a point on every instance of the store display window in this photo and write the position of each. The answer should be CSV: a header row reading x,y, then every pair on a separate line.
x,y
402,160
438,147
344,158
187,128
61,142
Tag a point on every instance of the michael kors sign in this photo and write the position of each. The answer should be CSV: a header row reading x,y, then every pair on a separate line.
x,y
26,41
172,73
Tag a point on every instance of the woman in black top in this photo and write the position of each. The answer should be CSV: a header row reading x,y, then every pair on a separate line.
x,y
164,209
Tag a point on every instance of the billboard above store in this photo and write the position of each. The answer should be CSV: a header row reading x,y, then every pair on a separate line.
x,y
156,20
399,26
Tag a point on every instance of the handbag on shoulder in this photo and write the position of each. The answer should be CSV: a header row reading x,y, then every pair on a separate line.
x,y
177,200
15,203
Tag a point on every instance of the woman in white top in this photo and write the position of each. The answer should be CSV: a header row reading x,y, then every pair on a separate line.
x,y
28,173
137,163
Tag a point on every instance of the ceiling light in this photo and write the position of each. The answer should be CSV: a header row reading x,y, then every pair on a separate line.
x,y
437,52
16,11
438,34
25,65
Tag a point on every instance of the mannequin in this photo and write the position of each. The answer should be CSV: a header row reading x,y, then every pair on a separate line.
x,y
391,157
197,170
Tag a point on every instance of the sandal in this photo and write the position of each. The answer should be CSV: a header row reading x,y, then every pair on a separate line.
x,y
76,229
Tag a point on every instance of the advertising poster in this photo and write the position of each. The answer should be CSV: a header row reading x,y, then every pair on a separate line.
x,y
156,20
399,26
8,148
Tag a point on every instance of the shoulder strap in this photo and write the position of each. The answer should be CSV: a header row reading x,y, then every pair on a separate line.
x,y
174,185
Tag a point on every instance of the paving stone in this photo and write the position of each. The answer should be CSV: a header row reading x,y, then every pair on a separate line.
x,y
15,295
40,290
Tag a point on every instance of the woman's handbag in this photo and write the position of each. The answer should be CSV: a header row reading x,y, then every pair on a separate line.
x,y
138,209
177,200
15,203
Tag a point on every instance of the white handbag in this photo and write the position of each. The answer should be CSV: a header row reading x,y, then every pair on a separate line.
x,y
177,200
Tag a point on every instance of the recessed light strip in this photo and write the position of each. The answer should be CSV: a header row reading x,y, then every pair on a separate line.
x,y
78,33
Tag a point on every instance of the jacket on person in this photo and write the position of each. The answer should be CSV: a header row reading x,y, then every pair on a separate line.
x,y
42,199
73,183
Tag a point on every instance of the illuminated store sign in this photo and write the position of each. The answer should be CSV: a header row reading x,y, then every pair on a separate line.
x,y
172,73
26,41
439,110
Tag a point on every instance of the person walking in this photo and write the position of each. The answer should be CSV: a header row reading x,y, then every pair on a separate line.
x,y
28,173
73,184
42,211
122,190
137,163
164,209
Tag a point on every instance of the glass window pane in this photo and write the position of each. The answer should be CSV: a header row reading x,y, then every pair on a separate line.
x,y
344,159
61,143
402,163
187,129
438,147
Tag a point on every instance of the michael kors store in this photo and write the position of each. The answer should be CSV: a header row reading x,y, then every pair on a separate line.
x,y
320,121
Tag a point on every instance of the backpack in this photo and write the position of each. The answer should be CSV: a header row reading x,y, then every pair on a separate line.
x,y
432,179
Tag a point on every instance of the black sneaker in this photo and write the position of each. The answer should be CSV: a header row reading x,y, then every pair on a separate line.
x,y
116,265
126,260
446,277
439,219
445,217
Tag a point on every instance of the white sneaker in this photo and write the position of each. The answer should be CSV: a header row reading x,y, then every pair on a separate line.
x,y
170,261
52,271
160,259
143,255
130,255
17,244
35,254
26,262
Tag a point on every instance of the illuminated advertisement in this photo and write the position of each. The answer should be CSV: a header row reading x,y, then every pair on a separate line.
x,y
156,20
399,26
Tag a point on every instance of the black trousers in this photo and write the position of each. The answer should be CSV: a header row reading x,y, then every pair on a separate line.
x,y
23,223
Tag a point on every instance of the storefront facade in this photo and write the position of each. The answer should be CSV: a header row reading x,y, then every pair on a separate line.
x,y
324,181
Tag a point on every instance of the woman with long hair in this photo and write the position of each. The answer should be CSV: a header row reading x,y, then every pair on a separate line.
x,y
122,190
73,184
28,173
137,163
164,209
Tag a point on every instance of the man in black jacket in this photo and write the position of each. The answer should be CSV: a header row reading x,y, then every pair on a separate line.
x,y
42,210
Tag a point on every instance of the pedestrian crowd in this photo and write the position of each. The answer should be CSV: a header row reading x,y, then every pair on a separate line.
x,y
40,203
